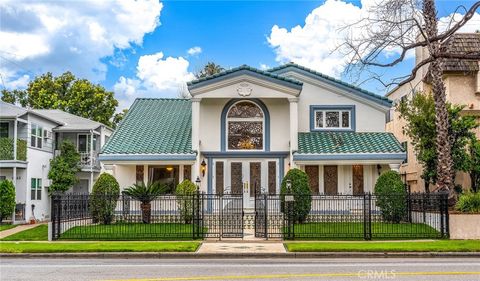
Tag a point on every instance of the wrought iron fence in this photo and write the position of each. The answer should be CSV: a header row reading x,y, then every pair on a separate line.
x,y
366,216
169,217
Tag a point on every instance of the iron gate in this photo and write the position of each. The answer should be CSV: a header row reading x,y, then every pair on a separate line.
x,y
270,221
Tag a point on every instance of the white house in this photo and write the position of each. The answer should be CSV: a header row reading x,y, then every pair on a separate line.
x,y
245,128
26,162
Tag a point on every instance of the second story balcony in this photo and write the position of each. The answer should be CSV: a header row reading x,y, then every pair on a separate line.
x,y
88,160
7,148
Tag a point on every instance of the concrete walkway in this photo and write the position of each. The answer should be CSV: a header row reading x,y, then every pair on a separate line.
x,y
17,229
241,248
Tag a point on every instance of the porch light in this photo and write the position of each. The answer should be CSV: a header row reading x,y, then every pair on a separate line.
x,y
197,181
203,167
169,169
379,169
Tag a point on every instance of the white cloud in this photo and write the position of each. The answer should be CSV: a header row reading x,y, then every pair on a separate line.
x,y
472,25
72,35
157,76
194,51
314,44
264,66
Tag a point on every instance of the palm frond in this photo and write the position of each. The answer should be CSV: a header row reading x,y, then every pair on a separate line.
x,y
146,193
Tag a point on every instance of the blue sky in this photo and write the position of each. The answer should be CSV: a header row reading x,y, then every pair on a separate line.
x,y
141,48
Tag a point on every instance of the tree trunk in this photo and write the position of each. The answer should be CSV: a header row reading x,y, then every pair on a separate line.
x,y
444,161
146,212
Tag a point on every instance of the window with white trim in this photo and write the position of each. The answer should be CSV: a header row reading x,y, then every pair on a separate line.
x,y
36,136
84,143
4,130
333,119
36,189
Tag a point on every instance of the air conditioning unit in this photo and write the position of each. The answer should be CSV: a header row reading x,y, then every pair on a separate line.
x,y
47,134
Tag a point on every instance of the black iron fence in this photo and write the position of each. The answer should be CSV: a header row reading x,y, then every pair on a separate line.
x,y
169,217
367,216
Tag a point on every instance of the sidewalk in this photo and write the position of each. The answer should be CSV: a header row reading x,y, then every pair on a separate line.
x,y
17,229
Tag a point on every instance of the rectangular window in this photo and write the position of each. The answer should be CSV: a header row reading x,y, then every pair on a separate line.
x,y
4,130
333,119
36,189
36,136
84,143
405,147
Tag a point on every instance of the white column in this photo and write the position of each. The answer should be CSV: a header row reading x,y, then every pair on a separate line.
x,y
91,162
196,136
394,167
145,173
14,180
293,128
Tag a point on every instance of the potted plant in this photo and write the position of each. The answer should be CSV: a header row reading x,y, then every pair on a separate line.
x,y
146,193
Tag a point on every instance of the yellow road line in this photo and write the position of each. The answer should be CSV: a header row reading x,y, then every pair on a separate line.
x,y
274,276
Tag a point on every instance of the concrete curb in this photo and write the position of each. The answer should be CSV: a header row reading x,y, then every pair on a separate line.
x,y
306,255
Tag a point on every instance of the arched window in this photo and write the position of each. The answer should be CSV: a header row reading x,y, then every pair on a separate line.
x,y
245,126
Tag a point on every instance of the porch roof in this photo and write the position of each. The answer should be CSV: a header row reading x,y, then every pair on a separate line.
x,y
348,145
153,127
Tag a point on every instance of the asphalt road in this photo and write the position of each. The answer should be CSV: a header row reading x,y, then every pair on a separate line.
x,y
240,269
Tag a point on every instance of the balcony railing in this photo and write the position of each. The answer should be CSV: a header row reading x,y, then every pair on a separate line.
x,y
6,149
87,160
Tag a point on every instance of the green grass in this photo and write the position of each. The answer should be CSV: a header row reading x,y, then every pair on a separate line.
x,y
6,226
379,246
354,231
75,247
130,231
38,233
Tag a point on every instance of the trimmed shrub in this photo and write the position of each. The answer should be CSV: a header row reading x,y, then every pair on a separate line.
x,y
104,198
469,202
184,193
391,195
301,193
7,199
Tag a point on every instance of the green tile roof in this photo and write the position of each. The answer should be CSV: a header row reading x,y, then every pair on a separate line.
x,y
246,68
154,126
347,143
283,68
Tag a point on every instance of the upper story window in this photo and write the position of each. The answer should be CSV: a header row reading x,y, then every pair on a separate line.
x,y
84,142
245,126
36,136
332,118
4,130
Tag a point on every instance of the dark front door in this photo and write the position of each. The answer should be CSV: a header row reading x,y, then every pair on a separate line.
x,y
357,172
312,172
330,179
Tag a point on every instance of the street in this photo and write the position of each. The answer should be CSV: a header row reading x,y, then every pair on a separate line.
x,y
240,269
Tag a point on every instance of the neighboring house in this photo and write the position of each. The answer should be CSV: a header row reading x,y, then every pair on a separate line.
x,y
462,83
245,128
39,133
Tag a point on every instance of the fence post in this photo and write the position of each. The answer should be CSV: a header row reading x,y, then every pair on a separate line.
x,y
265,222
367,221
445,216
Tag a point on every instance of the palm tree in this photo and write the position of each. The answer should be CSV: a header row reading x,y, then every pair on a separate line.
x,y
146,193
209,69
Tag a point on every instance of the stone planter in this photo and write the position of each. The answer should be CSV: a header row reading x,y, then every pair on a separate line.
x,y
464,226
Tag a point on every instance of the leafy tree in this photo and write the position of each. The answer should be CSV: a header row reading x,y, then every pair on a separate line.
x,y
419,114
391,194
104,198
301,192
474,164
7,199
68,93
63,168
146,193
184,193
118,117
209,69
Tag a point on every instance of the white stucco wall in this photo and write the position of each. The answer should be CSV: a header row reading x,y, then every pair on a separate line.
x,y
38,167
125,175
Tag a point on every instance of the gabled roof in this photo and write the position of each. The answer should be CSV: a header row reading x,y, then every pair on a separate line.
x,y
462,43
245,69
8,110
330,80
348,143
70,122
153,127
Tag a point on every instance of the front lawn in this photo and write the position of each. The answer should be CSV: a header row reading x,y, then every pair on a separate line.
x,y
38,233
379,246
131,231
75,247
6,226
354,230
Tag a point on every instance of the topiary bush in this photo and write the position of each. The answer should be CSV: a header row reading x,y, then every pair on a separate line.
x,y
103,199
301,193
391,195
184,193
7,199
469,202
